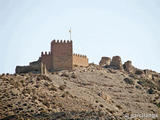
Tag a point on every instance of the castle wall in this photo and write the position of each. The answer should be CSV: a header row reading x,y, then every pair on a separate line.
x,y
46,58
27,69
35,64
105,61
80,60
61,55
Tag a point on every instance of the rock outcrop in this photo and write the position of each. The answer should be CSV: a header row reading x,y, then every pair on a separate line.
x,y
116,63
151,74
105,61
129,67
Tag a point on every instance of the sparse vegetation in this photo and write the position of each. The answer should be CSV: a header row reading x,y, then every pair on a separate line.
x,y
146,83
73,76
53,88
42,97
158,105
3,74
96,101
133,76
129,81
65,94
62,87
139,72
119,106
151,91
46,103
46,84
138,87
37,86
101,105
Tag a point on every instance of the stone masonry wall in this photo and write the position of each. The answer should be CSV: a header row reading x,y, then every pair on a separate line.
x,y
61,55
105,61
46,59
116,63
80,60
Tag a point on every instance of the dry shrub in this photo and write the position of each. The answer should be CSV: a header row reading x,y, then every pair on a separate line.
x,y
53,88
129,81
62,87
73,76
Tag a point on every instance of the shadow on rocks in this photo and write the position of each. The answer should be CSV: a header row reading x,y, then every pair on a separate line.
x,y
74,115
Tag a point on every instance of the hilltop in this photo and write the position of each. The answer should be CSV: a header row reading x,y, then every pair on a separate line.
x,y
92,92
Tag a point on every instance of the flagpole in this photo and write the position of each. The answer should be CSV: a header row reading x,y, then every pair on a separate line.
x,y
70,33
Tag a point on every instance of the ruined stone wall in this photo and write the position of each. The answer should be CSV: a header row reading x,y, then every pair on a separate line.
x,y
27,69
33,67
35,64
80,60
105,61
46,58
61,55
116,63
129,67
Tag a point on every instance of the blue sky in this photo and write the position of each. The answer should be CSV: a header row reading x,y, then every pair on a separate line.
x,y
128,28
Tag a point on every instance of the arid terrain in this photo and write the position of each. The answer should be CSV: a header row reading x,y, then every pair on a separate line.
x,y
91,92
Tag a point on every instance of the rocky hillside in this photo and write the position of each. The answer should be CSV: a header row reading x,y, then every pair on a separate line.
x,y
92,92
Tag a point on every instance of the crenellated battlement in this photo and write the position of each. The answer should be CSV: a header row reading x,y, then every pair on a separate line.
x,y
61,41
60,57
80,60
46,59
79,55
45,53
61,51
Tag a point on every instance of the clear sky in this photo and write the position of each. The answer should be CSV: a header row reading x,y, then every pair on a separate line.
x,y
128,28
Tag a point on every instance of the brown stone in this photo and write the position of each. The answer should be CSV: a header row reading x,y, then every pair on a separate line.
x,y
151,74
43,69
80,60
116,63
105,61
60,57
128,67
26,69
139,72
61,52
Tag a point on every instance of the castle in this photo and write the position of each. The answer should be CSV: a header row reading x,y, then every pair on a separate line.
x,y
60,57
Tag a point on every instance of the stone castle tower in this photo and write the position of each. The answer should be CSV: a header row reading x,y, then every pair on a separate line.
x,y
60,57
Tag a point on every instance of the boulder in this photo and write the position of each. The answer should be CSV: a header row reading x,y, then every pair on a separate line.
x,y
116,63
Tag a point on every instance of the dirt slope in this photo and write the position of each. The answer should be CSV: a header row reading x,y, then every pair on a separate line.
x,y
84,93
